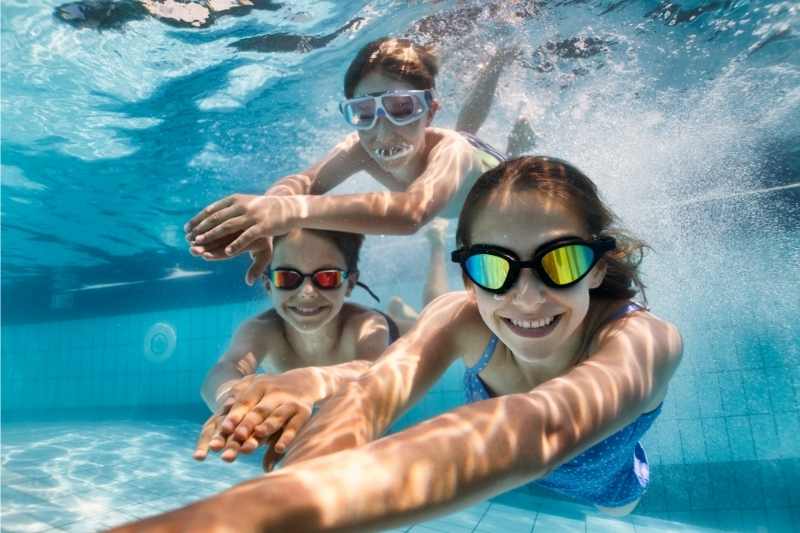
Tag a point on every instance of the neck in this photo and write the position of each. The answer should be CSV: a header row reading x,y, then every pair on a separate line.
x,y
416,166
315,348
556,363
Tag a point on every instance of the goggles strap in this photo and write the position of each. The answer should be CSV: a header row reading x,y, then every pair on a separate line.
x,y
364,286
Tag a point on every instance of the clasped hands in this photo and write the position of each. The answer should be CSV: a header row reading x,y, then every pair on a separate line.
x,y
258,409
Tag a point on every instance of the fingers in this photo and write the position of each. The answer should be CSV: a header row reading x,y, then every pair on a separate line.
x,y
259,263
209,210
228,227
271,456
206,436
290,430
244,240
220,217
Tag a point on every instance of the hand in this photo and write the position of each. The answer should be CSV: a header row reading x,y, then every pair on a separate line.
x,y
240,222
272,409
209,436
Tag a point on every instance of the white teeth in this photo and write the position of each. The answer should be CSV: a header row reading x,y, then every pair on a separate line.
x,y
531,324
306,310
390,153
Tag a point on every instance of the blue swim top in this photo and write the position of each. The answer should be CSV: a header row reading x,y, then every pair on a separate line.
x,y
611,473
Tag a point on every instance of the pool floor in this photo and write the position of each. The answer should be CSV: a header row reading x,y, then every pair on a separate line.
x,y
90,476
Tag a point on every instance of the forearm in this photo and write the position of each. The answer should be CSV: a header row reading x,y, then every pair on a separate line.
x,y
328,380
291,185
385,213
428,470
219,380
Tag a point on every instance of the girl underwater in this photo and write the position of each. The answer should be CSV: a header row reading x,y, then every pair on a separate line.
x,y
565,373
310,325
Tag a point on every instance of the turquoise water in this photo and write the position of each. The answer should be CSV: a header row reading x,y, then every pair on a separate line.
x,y
685,114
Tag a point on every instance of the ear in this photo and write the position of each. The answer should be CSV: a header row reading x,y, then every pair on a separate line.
x,y
352,279
598,274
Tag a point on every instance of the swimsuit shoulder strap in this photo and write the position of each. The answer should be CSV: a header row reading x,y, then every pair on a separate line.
x,y
485,358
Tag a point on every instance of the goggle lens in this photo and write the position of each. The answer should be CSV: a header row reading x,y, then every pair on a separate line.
x,y
285,279
327,279
567,263
291,279
487,270
401,107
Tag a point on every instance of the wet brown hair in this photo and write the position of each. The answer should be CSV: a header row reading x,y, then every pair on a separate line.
x,y
347,243
401,59
558,179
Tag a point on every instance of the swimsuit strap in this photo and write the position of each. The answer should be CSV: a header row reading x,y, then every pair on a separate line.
x,y
485,358
483,146
630,307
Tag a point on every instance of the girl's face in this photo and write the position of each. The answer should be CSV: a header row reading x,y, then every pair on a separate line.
x,y
308,308
535,321
392,147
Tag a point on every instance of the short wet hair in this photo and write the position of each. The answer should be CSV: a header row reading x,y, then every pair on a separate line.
x,y
349,244
401,59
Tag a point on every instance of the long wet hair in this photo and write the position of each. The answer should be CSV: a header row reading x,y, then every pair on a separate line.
x,y
558,179
401,59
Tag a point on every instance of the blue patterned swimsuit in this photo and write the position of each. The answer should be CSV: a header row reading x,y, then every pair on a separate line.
x,y
611,473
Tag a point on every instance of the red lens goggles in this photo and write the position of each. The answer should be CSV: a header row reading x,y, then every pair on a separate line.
x,y
289,278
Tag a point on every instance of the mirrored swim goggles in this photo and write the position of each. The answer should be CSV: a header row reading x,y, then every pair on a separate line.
x,y
399,107
325,279
559,264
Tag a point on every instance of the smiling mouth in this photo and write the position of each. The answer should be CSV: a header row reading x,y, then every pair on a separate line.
x,y
307,311
390,153
533,328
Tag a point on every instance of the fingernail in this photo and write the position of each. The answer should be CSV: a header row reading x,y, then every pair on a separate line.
x,y
229,250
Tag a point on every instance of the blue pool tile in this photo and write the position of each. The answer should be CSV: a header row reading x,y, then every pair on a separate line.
x,y
781,391
670,447
715,439
748,485
741,438
692,441
788,428
711,398
753,520
700,489
733,394
756,391
676,493
546,523
604,524
765,437
729,519
775,484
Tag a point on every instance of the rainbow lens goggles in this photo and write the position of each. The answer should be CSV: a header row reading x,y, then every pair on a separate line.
x,y
399,107
559,264
289,278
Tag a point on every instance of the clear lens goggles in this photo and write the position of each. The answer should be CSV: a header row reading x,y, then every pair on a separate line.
x,y
399,107
559,264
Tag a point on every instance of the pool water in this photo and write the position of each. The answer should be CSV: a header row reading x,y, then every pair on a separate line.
x,y
685,113
88,476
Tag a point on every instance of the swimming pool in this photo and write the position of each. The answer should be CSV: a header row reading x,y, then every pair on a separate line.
x,y
686,115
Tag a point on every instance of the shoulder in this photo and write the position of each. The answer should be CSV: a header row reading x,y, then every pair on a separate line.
x,y
454,316
365,330
652,345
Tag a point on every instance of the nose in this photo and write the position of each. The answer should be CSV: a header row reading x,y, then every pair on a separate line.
x,y
528,291
307,289
382,127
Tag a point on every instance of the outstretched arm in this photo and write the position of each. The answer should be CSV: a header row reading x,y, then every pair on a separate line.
x,y
255,218
466,455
